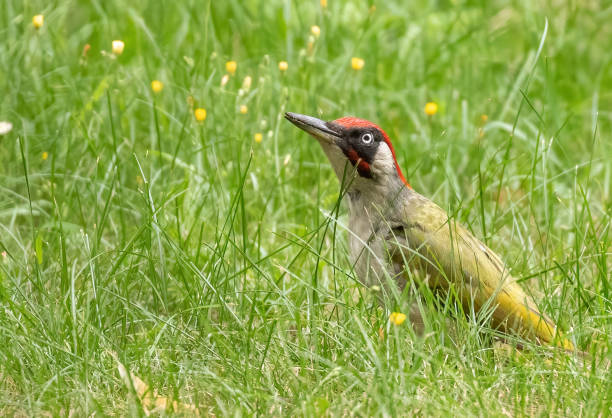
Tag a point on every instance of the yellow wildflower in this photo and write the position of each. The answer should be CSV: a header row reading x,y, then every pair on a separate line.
x,y
200,114
117,47
431,108
315,30
324,3
246,83
231,66
357,63
397,318
283,65
258,137
484,118
38,21
45,155
244,109
157,86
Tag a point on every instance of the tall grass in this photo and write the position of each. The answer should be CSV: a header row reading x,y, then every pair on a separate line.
x,y
215,267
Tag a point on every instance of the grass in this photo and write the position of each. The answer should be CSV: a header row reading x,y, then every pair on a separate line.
x,y
215,268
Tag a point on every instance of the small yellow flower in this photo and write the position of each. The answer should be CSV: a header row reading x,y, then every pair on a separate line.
x,y
231,66
315,30
157,86
246,83
117,47
258,137
38,21
200,114
45,155
397,318
357,63
244,109
224,80
431,108
283,65
323,3
484,118
310,44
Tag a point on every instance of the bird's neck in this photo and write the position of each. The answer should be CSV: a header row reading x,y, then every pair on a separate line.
x,y
375,205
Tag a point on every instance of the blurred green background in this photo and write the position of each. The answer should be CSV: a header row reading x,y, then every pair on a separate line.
x,y
214,266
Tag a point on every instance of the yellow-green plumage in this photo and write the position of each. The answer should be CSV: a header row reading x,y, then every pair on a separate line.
x,y
425,239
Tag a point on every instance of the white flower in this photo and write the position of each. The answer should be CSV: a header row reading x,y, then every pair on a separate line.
x,y
5,127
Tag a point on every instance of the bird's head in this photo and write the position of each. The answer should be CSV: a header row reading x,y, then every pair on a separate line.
x,y
357,143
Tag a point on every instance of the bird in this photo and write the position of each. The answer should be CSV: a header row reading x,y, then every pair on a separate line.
x,y
397,234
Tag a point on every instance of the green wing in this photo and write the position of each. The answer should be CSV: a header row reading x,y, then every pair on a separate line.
x,y
425,239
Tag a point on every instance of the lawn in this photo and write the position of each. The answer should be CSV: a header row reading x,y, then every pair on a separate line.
x,y
209,257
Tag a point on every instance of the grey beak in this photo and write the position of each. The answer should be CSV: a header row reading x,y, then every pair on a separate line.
x,y
316,127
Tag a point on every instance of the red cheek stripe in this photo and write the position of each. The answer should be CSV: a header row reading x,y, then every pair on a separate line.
x,y
364,169
352,156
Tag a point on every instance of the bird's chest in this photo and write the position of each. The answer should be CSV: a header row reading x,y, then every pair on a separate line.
x,y
369,252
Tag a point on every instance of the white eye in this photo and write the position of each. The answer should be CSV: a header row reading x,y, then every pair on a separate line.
x,y
367,138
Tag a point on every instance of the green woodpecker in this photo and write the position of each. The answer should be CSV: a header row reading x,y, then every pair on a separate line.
x,y
394,230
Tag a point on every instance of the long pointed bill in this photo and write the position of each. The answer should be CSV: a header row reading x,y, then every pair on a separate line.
x,y
316,127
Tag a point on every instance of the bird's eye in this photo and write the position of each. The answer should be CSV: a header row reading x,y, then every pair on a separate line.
x,y
367,138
